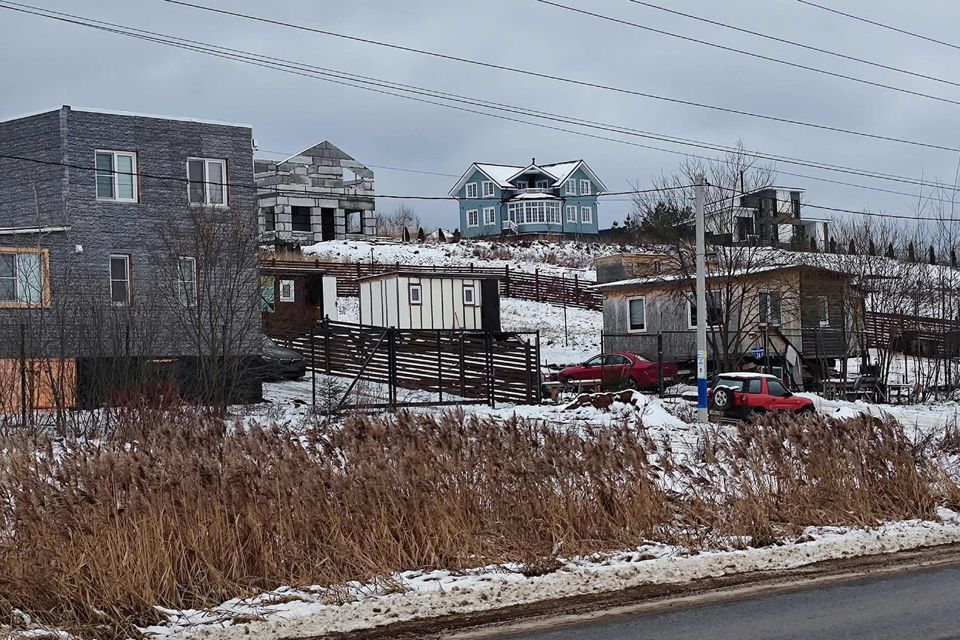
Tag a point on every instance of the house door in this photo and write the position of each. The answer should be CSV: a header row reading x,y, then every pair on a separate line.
x,y
328,224
490,304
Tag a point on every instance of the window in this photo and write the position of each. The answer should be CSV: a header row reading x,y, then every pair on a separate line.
x,y
774,388
207,181
753,385
571,213
269,219
585,189
416,294
638,314
596,361
116,176
353,221
267,294
23,277
730,383
586,215
489,216
469,296
657,266
471,190
300,218
187,281
287,291
543,184
120,280
769,307
534,212
821,311
472,219
714,310
488,189
570,187
615,360
522,184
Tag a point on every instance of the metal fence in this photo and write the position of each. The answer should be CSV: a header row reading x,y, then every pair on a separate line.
x,y
451,367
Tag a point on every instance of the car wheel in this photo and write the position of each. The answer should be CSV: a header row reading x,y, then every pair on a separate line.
x,y
629,383
722,398
806,411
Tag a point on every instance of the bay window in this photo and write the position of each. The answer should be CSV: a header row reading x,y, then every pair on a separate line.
x,y
534,212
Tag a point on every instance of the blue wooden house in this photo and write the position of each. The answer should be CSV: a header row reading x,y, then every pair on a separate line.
x,y
543,199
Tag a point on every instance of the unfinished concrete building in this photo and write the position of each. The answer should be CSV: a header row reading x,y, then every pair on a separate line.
x,y
319,194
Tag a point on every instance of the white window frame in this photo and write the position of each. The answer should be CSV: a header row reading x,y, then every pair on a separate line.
x,y
291,291
115,175
207,182
535,212
489,216
692,299
186,289
128,278
472,301
585,188
43,294
470,188
415,300
768,293
630,328
472,213
523,184
491,192
571,213
545,183
570,187
586,215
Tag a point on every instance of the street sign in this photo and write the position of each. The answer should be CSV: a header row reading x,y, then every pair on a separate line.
x,y
757,352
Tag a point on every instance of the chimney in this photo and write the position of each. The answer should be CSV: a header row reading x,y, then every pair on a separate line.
x,y
533,161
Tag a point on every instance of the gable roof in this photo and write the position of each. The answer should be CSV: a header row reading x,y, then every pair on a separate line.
x,y
322,149
505,174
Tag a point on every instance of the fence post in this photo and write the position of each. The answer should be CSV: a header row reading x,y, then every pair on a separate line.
x,y
660,361
491,377
313,367
536,368
463,372
530,371
576,287
506,271
392,368
439,368
23,375
536,284
326,344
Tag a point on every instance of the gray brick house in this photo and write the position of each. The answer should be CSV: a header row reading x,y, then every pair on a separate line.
x,y
319,194
123,253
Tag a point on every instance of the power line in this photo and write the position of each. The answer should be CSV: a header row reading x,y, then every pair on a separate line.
x,y
573,81
744,52
374,166
330,74
793,43
880,24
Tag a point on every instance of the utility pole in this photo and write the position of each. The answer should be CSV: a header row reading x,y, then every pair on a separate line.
x,y
702,416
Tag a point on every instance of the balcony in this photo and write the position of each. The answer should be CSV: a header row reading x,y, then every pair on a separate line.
x,y
535,190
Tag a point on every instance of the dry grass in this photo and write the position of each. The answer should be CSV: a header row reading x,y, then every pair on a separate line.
x,y
179,511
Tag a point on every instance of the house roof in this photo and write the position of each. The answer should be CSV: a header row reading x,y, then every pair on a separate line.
x,y
504,174
429,275
325,149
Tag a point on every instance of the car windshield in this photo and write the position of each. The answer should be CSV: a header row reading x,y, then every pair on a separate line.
x,y
734,383
268,342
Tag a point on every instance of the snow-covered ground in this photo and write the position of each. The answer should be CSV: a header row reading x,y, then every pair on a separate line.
x,y
287,612
548,257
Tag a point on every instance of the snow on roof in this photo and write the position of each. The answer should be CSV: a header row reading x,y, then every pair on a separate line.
x,y
500,173
535,196
745,375
561,170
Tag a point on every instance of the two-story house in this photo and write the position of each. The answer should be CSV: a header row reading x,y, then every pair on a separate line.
x,y
558,199
318,194
127,249
772,217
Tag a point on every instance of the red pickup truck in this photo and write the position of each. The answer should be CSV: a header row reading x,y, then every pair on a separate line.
x,y
742,394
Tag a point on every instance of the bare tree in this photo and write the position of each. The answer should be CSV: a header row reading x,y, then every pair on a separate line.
x,y
403,217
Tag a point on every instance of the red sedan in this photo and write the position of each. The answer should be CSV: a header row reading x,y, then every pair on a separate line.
x,y
621,370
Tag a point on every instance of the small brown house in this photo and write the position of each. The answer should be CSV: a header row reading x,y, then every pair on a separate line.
x,y
294,296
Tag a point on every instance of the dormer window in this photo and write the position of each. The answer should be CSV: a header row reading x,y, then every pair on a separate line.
x,y
543,184
522,184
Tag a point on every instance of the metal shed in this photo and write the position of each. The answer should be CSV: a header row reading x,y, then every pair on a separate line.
x,y
435,300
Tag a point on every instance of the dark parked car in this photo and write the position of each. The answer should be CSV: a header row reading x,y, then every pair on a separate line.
x,y
279,363
622,370
742,394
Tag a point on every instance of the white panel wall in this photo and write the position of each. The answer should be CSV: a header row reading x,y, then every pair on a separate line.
x,y
330,298
385,302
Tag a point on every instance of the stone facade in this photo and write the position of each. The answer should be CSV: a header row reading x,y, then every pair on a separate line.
x,y
308,197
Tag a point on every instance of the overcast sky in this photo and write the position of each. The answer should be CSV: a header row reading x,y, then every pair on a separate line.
x,y
47,64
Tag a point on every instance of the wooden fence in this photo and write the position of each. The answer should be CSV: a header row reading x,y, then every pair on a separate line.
x,y
454,367
559,290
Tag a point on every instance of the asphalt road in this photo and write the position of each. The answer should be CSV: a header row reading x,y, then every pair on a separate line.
x,y
919,604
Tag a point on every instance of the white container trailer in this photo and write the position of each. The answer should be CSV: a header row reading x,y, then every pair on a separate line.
x,y
431,300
